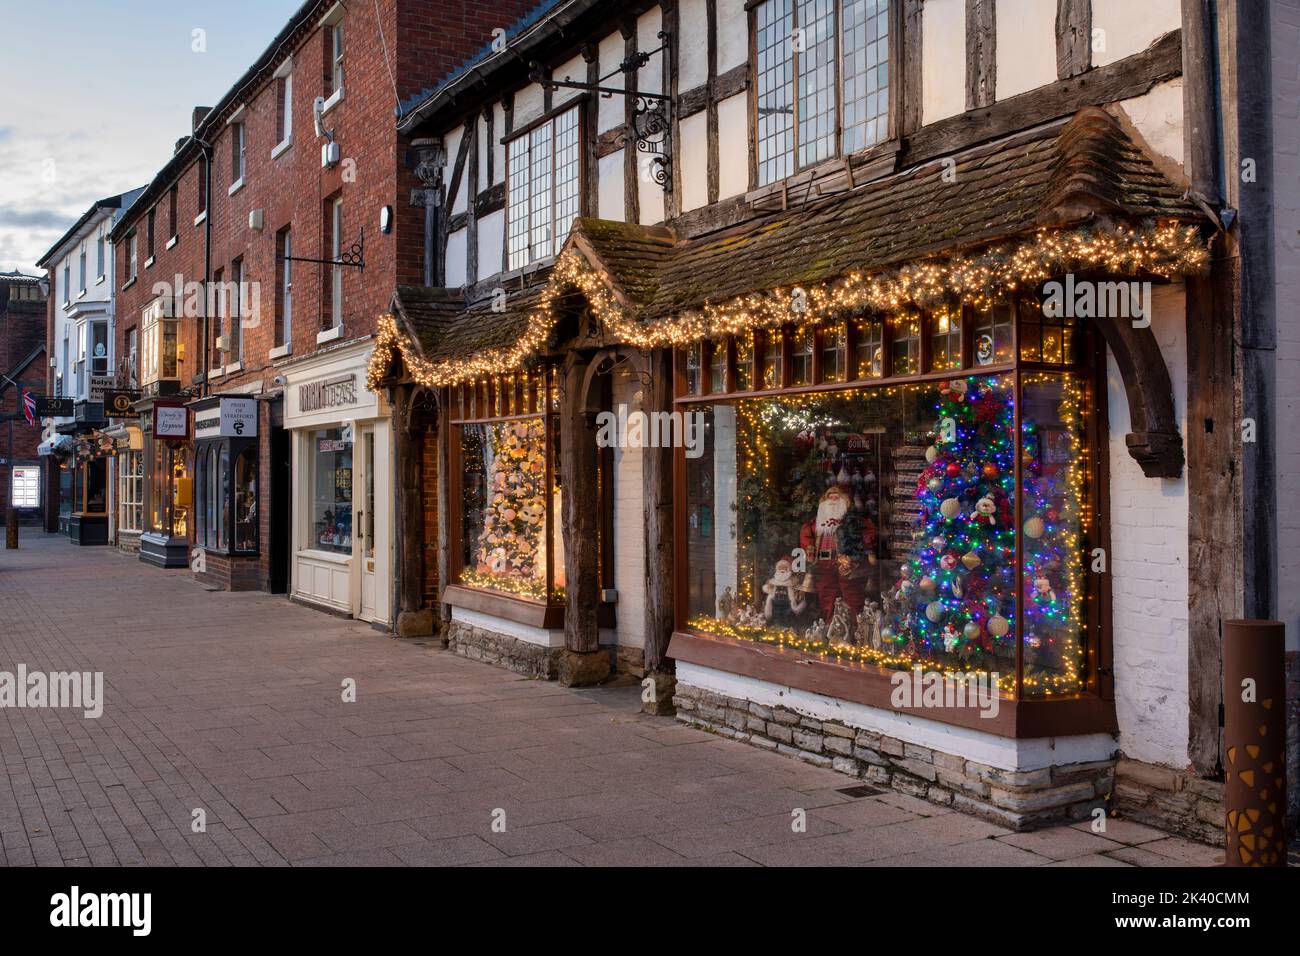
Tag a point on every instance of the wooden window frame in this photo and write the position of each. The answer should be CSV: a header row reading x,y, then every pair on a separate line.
x,y
579,103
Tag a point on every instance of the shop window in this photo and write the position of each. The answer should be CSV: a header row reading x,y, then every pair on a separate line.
x,y
99,348
772,359
130,494
330,454
510,500
945,340
870,348
880,526
1052,341
822,80
169,487
744,346
907,345
992,335
693,369
718,367
801,357
90,487
834,354
542,171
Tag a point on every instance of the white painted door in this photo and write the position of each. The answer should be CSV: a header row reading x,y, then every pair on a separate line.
x,y
366,554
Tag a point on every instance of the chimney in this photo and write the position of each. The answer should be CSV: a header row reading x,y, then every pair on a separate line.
x,y
179,143
197,117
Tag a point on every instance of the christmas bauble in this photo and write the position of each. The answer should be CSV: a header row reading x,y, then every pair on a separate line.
x,y
935,485
931,453
948,562
998,625
953,469
971,560
927,585
990,471
888,634
957,386
950,508
1034,527
935,611
938,542
971,630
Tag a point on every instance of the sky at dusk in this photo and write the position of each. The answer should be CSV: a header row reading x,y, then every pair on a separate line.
x,y
95,93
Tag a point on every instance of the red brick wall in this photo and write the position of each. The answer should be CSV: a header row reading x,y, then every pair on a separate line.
x,y
22,329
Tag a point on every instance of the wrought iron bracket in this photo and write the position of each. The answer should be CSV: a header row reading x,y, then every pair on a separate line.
x,y
651,125
354,255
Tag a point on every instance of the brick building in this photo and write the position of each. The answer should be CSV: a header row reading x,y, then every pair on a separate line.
x,y
22,366
254,269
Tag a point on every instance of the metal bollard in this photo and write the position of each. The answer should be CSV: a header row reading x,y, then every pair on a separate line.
x,y
1254,742
11,528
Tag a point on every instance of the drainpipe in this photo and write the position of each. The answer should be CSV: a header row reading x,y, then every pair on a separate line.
x,y
207,256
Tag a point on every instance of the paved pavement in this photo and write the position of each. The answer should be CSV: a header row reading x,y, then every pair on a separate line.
x,y
232,704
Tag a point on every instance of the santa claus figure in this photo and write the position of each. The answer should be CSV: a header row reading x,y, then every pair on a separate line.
x,y
839,543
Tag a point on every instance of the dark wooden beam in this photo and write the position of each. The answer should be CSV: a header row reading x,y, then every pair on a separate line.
x,y
714,159
981,54
579,523
657,479
591,122
1073,38
631,159
671,21
909,70
471,205
1123,79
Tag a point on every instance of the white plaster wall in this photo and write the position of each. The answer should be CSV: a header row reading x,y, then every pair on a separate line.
x,y
1006,753
1148,566
452,140
943,59
650,79
1026,45
609,112
455,265
693,45
1158,116
733,34
1121,28
529,104
1285,37
499,625
481,140
733,146
609,192
499,149
629,525
491,243
694,132
575,70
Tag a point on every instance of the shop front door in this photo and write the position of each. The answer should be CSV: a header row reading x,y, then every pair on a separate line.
x,y
371,541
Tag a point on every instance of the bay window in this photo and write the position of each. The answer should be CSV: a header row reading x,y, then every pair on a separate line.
x,y
940,515
159,355
822,83
543,173
130,493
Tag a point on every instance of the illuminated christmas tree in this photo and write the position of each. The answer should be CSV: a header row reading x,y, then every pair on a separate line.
x,y
954,602
512,546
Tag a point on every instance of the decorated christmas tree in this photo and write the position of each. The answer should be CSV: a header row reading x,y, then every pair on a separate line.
x,y
954,601
511,548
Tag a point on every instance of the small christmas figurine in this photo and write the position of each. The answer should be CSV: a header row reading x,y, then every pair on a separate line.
x,y
985,512
868,625
726,604
785,600
950,638
840,630
1043,592
817,633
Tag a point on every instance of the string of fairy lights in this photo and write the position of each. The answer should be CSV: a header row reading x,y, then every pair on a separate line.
x,y
981,278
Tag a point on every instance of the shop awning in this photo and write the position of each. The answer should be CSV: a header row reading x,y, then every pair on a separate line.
x,y
1072,195
58,445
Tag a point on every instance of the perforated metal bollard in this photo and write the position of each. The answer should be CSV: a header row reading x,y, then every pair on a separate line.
x,y
1254,742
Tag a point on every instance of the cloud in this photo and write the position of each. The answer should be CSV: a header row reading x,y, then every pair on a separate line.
x,y
6,132
13,217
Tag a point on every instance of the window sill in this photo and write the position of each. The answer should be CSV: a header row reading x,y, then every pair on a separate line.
x,y
283,145
236,186
873,687
233,367
100,280
334,100
505,606
329,335
214,373
81,294
148,263
171,243
280,351
126,285
201,218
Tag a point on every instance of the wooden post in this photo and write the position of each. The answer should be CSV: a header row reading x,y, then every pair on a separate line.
x,y
412,619
582,662
445,503
657,475
1073,37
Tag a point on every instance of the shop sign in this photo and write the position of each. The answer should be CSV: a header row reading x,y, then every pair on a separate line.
x,y
232,418
53,407
171,421
99,385
327,393
117,403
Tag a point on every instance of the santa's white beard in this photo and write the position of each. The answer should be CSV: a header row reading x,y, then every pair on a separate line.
x,y
830,513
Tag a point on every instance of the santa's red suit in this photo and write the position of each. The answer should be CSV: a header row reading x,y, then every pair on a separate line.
x,y
838,542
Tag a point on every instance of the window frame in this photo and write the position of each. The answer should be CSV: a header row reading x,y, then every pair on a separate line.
x,y
838,154
1091,709
579,106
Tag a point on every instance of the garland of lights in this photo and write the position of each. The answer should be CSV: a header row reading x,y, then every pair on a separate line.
x,y
1164,250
